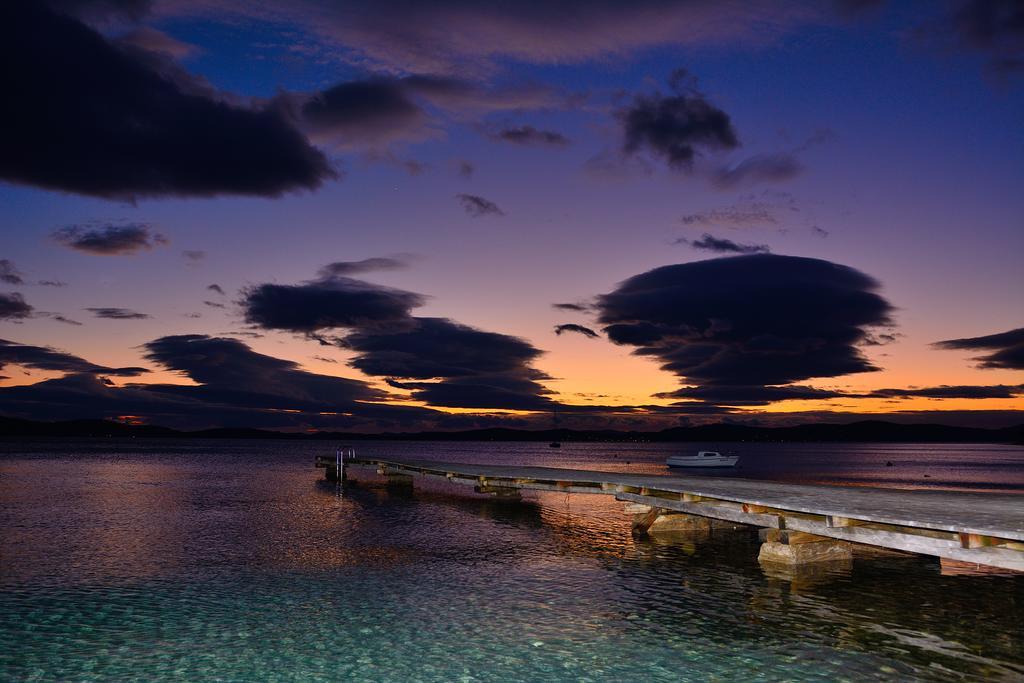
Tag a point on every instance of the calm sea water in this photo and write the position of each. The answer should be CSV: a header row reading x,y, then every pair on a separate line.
x,y
212,560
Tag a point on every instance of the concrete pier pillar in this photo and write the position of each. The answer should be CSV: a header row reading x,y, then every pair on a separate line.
x,y
654,520
504,493
678,521
799,548
396,480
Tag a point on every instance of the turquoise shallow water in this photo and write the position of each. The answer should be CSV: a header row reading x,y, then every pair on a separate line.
x,y
231,561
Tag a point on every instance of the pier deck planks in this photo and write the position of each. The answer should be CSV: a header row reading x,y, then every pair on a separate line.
x,y
979,527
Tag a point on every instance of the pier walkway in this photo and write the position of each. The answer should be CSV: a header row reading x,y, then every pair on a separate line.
x,y
980,528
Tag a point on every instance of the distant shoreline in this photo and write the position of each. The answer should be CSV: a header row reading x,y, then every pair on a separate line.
x,y
868,431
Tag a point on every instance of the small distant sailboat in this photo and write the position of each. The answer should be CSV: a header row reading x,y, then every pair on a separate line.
x,y
703,459
554,421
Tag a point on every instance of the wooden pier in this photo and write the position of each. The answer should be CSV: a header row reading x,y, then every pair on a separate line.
x,y
809,523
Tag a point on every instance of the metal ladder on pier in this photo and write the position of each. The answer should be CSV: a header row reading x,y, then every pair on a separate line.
x,y
335,465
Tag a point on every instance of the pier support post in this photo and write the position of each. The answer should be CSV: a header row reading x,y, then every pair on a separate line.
x,y
509,494
395,480
334,466
798,548
655,520
669,522
642,520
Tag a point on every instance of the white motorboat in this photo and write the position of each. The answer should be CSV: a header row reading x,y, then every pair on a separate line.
x,y
703,459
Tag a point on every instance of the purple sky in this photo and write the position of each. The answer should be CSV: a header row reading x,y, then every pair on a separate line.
x,y
759,211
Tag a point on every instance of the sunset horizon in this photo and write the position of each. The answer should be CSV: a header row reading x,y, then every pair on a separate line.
x,y
477,234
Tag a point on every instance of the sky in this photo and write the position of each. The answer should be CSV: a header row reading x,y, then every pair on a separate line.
x,y
384,216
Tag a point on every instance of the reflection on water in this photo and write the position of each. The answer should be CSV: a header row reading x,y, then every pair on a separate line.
x,y
207,560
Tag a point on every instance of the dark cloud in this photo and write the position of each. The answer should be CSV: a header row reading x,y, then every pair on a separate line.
x,y
455,365
488,392
724,246
528,135
227,370
881,338
819,231
685,410
478,206
233,386
244,333
735,216
994,28
767,208
465,96
748,321
66,321
87,116
110,240
947,391
367,265
465,169
216,288
9,273
231,374
440,361
117,313
750,395
13,307
758,169
193,255
326,304
364,113
573,327
376,112
676,127
87,396
437,347
52,283
214,304
579,308
44,358
1007,348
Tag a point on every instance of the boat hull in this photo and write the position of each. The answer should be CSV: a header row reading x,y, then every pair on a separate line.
x,y
702,463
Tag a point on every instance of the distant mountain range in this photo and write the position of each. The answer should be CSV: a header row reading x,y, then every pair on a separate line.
x,y
865,431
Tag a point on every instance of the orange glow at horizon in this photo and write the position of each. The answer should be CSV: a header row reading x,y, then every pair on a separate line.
x,y
586,372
